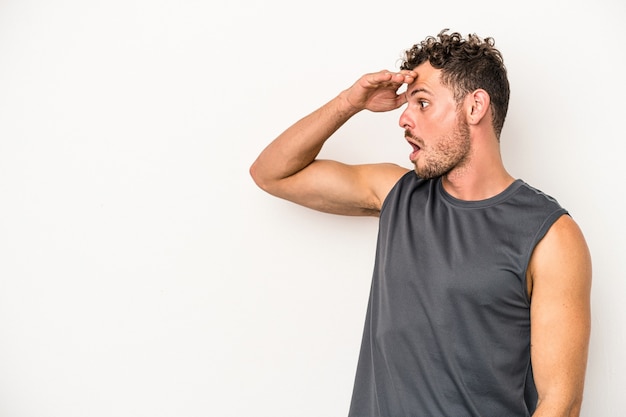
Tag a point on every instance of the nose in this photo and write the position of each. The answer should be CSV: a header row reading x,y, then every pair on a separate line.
x,y
406,121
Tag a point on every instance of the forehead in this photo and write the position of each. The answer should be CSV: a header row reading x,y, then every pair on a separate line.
x,y
427,80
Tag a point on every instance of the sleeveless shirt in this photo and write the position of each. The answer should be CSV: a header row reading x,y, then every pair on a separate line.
x,y
447,331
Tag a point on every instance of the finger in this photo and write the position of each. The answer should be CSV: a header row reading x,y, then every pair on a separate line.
x,y
385,75
409,76
401,99
403,77
380,77
389,79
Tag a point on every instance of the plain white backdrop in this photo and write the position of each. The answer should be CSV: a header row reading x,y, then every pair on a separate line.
x,y
141,271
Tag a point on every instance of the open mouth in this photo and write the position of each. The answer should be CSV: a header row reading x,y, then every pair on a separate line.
x,y
415,146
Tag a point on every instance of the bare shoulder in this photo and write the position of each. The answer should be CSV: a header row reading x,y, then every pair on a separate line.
x,y
562,258
383,177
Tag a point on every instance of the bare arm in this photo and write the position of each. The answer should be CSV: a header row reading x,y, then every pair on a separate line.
x,y
560,319
288,168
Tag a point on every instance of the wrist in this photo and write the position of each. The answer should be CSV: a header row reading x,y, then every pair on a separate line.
x,y
346,106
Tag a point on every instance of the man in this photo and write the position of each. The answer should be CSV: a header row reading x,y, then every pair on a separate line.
x,y
479,303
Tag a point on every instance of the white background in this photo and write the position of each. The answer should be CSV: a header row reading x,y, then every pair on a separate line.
x,y
142,273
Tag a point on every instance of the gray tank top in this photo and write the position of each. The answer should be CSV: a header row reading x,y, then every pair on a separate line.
x,y
447,331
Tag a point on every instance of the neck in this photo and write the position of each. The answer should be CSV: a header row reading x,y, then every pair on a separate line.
x,y
482,176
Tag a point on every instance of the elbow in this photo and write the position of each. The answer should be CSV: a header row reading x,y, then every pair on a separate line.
x,y
566,408
254,173
257,176
573,409
575,405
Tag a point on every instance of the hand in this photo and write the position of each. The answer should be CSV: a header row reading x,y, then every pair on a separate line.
x,y
378,91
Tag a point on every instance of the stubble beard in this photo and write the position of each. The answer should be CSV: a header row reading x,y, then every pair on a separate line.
x,y
451,152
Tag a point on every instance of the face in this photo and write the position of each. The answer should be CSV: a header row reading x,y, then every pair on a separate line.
x,y
433,126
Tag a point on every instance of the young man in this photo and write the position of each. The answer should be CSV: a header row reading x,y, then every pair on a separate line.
x,y
480,297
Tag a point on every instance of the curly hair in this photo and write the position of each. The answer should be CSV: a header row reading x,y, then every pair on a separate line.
x,y
466,65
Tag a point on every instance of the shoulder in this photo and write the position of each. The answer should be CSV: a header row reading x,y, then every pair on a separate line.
x,y
562,258
535,196
382,178
564,239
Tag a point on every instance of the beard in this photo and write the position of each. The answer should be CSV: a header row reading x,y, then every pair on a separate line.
x,y
451,151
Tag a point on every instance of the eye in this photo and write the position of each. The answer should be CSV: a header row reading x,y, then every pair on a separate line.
x,y
423,104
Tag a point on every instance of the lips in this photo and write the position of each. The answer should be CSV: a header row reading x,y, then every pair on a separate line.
x,y
415,146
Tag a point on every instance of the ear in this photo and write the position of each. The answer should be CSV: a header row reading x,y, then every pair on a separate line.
x,y
477,105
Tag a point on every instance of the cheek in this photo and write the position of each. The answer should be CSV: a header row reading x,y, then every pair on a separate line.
x,y
436,123
446,115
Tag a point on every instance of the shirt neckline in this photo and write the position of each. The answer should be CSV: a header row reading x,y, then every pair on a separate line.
x,y
491,201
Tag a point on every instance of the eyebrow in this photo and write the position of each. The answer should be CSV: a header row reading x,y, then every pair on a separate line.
x,y
416,91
